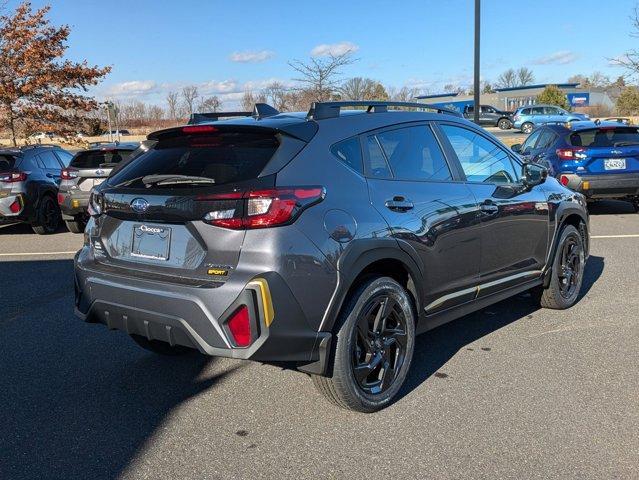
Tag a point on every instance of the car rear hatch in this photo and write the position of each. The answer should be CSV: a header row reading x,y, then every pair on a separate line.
x,y
170,213
603,150
91,167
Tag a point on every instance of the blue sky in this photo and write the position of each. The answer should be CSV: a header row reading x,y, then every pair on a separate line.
x,y
227,46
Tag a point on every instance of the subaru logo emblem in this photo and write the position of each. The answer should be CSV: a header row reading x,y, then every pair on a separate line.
x,y
616,152
139,205
99,172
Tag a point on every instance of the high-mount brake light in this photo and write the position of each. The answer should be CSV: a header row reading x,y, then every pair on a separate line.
x,y
260,208
13,177
198,129
68,173
571,153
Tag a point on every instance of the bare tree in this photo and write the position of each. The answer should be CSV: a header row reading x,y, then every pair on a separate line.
x,y
525,77
508,79
210,104
248,101
630,60
155,113
276,95
356,88
172,99
189,96
320,75
404,94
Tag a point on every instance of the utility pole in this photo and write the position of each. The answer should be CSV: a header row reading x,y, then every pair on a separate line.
x,y
476,105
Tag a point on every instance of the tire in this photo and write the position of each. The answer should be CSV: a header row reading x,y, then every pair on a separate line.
x,y
375,330
567,271
527,128
161,348
504,124
48,217
75,226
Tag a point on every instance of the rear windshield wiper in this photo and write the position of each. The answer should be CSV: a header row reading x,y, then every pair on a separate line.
x,y
626,144
174,179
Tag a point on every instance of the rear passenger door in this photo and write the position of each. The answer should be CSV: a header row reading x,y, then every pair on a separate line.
x,y
514,219
430,212
52,166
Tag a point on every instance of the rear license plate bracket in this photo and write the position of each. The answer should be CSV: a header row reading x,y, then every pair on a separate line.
x,y
151,242
615,164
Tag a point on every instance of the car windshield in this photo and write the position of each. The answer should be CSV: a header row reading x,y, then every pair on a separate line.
x,y
605,137
222,158
98,158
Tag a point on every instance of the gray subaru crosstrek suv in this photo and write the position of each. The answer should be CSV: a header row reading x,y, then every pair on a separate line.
x,y
324,241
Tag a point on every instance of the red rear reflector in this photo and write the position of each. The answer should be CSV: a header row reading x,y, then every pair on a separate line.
x,y
15,207
240,327
199,129
564,180
60,199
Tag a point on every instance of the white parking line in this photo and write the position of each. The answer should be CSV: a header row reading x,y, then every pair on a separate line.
x,y
33,254
615,236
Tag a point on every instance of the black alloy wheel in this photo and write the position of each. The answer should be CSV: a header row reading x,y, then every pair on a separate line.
x,y
379,349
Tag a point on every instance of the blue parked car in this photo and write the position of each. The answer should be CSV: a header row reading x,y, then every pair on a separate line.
x,y
598,159
528,117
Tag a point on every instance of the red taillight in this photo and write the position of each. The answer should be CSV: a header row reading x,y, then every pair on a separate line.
x,y
240,327
16,206
69,173
199,129
570,153
260,208
564,180
60,199
13,177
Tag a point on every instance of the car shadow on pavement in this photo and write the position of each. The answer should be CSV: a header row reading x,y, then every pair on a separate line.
x,y
435,348
25,229
610,207
79,401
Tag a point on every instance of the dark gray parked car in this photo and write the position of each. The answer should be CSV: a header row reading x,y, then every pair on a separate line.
x,y
324,241
88,169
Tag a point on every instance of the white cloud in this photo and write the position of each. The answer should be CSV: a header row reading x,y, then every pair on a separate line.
x,y
251,57
334,49
132,88
214,87
561,57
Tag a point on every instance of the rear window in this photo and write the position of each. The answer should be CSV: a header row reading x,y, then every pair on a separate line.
x,y
7,162
605,137
97,158
225,157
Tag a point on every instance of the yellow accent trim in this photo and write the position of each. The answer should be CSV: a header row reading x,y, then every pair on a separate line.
x,y
75,203
267,302
586,185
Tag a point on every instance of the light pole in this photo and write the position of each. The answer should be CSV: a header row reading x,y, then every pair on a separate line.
x,y
476,105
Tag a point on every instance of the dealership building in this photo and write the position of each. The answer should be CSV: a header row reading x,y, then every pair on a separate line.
x,y
510,99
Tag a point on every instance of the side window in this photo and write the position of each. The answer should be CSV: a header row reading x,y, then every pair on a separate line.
x,y
488,109
414,154
551,111
49,160
545,139
529,144
526,111
537,111
64,156
349,152
377,166
481,159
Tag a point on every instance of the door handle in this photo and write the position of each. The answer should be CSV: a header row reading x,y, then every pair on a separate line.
x,y
489,207
399,204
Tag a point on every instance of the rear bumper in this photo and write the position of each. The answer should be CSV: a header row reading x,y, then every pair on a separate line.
x,y
6,215
196,317
73,203
605,186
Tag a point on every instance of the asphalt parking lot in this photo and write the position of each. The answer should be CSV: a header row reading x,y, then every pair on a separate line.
x,y
509,392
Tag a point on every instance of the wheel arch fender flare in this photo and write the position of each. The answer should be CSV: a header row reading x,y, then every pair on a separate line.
x,y
359,255
563,217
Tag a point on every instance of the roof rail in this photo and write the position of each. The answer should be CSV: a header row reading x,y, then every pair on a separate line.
x,y
36,145
260,110
324,110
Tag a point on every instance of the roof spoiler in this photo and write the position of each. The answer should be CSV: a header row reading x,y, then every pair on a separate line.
x,y
324,110
260,110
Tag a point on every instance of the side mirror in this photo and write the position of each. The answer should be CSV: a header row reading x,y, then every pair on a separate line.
x,y
533,174
516,148
562,113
